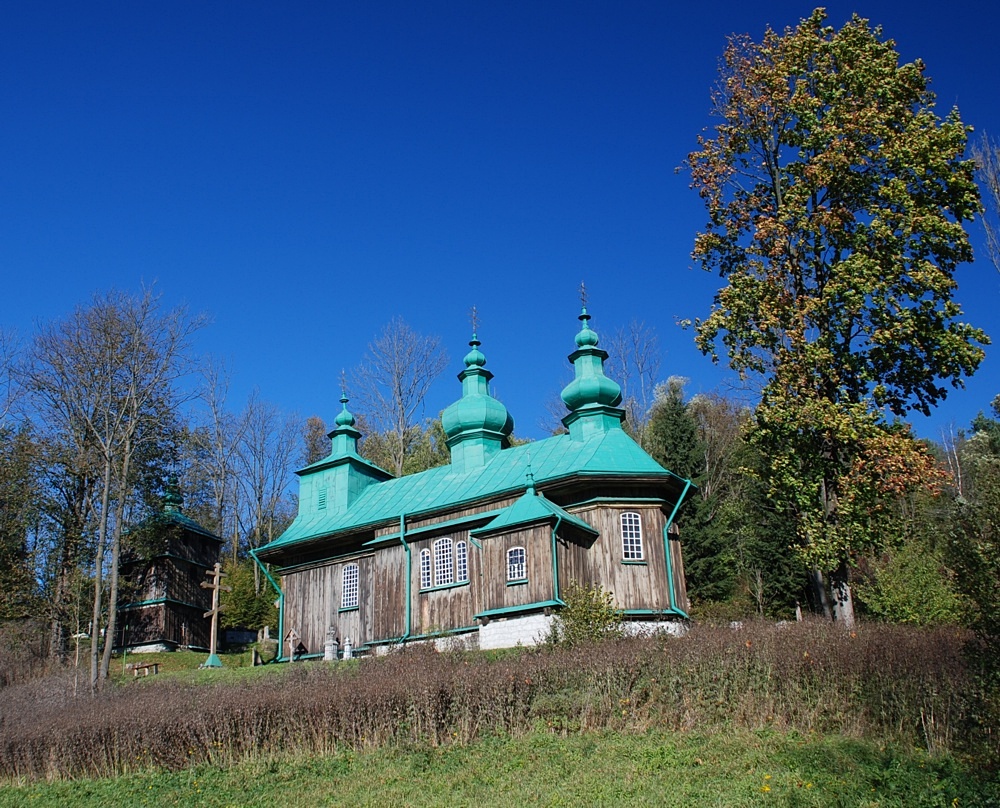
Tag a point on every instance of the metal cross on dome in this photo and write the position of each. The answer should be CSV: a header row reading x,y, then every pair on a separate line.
x,y
583,294
474,320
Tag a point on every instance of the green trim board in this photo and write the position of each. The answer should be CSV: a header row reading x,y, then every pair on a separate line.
x,y
329,561
141,604
654,613
434,635
620,501
447,525
526,607
439,587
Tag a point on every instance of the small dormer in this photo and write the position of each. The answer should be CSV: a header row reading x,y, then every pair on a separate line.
x,y
335,482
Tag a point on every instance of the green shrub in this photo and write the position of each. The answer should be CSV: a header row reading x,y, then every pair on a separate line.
x,y
588,616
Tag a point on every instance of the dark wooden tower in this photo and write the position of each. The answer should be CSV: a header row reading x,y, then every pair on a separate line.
x,y
163,602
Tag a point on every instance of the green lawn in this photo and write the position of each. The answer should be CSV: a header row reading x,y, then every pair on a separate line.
x,y
664,769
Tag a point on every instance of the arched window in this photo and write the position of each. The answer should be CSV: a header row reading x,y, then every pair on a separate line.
x,y
444,562
517,569
349,592
461,562
425,569
631,536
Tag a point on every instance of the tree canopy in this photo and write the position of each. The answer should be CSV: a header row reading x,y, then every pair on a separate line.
x,y
837,200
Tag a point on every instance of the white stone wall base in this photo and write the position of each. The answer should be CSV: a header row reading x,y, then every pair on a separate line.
x,y
150,648
647,628
508,632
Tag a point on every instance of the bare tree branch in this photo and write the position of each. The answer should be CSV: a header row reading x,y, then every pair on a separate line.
x,y
986,153
393,380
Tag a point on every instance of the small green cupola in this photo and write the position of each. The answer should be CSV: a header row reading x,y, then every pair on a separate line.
x,y
335,482
344,437
477,425
173,501
592,398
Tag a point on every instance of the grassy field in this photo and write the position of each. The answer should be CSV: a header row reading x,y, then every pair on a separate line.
x,y
652,768
803,715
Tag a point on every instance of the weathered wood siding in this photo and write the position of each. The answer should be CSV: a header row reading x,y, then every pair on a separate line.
x,y
183,582
495,592
677,559
313,595
314,600
163,622
446,608
385,590
634,585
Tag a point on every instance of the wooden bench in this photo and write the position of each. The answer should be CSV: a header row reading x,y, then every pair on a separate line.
x,y
146,668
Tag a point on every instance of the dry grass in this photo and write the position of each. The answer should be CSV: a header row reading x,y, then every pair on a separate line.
x,y
900,685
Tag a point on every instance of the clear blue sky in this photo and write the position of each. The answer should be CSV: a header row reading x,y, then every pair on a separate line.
x,y
302,172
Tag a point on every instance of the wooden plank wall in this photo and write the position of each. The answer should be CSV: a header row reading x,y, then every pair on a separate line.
x,y
313,599
313,596
164,622
443,609
495,593
634,586
183,582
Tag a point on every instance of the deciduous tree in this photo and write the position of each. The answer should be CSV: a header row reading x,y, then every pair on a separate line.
x,y
634,362
392,382
106,374
837,200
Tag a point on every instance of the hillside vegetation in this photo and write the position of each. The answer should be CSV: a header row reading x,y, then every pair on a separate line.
x,y
895,700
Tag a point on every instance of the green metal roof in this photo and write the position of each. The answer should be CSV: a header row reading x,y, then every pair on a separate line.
x,y
530,509
606,453
476,425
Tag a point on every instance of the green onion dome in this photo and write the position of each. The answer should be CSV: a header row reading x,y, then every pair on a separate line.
x,y
476,411
590,387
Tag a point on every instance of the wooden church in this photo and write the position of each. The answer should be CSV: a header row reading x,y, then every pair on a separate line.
x,y
481,549
165,603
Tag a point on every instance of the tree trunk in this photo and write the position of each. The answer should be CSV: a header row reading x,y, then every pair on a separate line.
x,y
843,603
818,585
116,547
102,532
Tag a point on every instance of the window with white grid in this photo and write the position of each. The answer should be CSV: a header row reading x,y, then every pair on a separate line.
x,y
425,569
517,569
461,562
444,562
349,593
631,536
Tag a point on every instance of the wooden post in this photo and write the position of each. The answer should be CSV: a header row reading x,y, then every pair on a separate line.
x,y
216,585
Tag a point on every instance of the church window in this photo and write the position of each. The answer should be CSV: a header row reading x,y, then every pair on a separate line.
x,y
631,536
517,568
461,562
444,562
349,595
425,569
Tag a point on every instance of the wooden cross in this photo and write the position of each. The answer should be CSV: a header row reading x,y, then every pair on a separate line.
x,y
292,638
216,585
